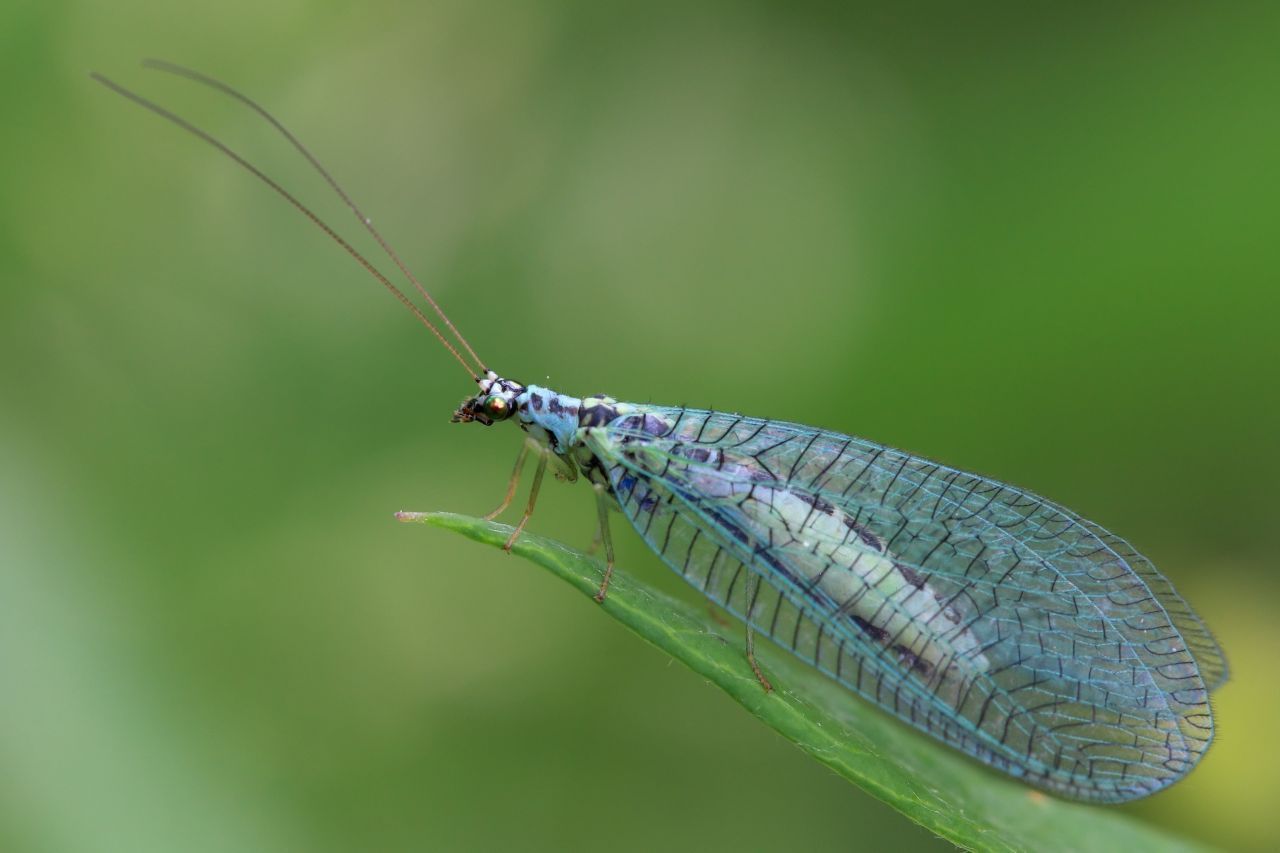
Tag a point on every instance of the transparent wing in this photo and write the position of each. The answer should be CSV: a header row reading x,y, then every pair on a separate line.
x,y
997,621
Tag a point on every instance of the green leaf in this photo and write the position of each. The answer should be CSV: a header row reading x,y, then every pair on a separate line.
x,y
940,789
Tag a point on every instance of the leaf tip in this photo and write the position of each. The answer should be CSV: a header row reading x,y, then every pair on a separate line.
x,y
403,515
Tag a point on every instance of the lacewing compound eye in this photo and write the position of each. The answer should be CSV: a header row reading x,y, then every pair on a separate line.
x,y
497,408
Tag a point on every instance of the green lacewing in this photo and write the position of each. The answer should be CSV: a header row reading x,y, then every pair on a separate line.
x,y
1000,623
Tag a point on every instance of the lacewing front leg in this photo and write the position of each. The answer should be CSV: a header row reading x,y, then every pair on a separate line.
x,y
513,483
533,499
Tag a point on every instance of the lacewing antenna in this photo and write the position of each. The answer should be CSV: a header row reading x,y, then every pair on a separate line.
x,y
204,79
474,372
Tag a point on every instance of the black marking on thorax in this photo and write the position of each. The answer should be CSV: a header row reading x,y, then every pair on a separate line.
x,y
596,414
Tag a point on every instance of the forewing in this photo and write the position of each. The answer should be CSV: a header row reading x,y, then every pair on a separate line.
x,y
995,620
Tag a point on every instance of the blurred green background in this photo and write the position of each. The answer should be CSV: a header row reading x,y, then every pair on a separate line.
x,y
1040,244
